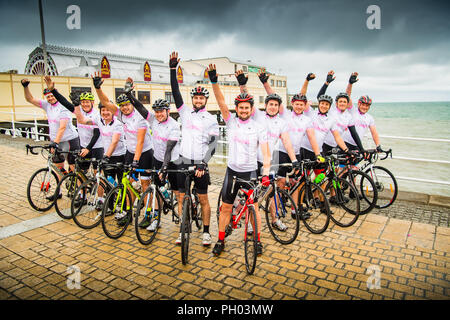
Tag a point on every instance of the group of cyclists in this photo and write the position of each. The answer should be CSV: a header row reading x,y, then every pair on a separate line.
x,y
257,140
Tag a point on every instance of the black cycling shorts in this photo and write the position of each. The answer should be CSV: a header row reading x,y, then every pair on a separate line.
x,y
71,145
200,184
145,162
171,176
284,158
96,154
229,195
116,173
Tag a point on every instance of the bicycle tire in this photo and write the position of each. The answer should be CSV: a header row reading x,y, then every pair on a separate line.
x,y
143,235
289,218
250,241
185,229
365,186
317,208
66,187
197,213
344,211
111,207
45,204
85,215
390,181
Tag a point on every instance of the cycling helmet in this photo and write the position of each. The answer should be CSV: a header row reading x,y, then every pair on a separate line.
x,y
86,96
244,97
122,99
273,96
299,97
161,104
46,92
200,91
342,95
326,98
365,99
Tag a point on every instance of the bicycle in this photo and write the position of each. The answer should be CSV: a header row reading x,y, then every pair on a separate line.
x,y
250,197
385,182
152,202
117,212
284,209
312,204
84,206
363,183
65,190
191,211
344,209
42,185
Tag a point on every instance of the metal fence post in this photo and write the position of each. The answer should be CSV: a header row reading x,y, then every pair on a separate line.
x,y
35,127
13,125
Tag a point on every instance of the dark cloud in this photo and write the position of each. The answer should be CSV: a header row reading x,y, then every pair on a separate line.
x,y
312,25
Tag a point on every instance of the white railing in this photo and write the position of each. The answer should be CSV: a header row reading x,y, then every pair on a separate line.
x,y
34,125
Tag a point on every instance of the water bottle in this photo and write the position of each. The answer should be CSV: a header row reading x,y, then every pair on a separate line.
x,y
319,178
164,192
111,180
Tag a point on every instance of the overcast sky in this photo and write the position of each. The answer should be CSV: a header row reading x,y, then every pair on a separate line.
x,y
408,59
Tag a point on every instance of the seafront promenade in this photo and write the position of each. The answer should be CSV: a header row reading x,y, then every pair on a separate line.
x,y
397,253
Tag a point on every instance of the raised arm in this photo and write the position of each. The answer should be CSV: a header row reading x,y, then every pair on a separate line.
x,y
218,93
61,99
98,81
351,81
173,62
309,77
330,78
135,102
242,80
28,96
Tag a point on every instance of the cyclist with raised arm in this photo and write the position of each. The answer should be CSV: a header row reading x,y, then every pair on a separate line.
x,y
138,141
200,132
63,134
277,135
299,126
245,136
110,130
166,144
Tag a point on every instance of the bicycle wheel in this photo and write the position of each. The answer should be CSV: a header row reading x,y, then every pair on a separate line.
x,y
148,218
42,185
386,186
197,216
250,241
117,212
84,203
66,191
367,192
344,209
282,208
314,208
185,229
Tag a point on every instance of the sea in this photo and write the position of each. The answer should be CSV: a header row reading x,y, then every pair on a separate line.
x,y
396,121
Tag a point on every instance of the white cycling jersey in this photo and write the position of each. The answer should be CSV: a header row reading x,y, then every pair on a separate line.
x,y
162,132
275,127
343,121
107,131
244,139
87,131
196,127
322,124
131,124
55,113
297,124
361,121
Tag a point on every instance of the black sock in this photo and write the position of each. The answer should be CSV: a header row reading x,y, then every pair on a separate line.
x,y
205,229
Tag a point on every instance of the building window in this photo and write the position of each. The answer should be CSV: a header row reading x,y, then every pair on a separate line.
x,y
244,68
272,82
80,90
261,99
169,97
284,84
144,97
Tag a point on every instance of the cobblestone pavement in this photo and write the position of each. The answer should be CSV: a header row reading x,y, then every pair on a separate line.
x,y
412,256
